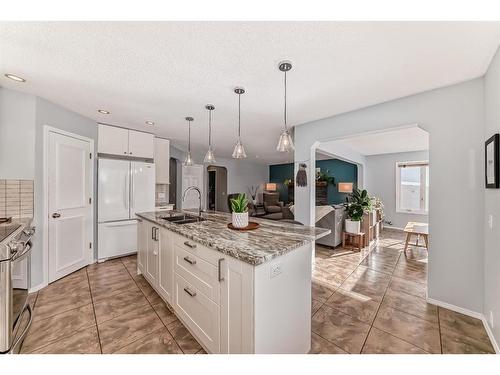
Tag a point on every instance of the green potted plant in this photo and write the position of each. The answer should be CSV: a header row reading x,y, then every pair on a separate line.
x,y
239,206
359,202
355,214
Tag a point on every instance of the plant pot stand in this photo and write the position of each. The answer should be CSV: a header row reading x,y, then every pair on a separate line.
x,y
353,240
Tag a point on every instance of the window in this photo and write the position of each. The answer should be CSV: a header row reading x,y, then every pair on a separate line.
x,y
412,187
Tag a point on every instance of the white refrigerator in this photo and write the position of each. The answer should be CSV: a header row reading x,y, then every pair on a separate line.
x,y
124,188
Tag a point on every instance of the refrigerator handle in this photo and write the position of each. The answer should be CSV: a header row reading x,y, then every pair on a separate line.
x,y
126,194
132,189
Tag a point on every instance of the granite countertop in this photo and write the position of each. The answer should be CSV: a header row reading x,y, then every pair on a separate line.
x,y
270,240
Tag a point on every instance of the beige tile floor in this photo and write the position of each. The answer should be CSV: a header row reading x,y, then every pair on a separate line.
x,y
374,302
367,302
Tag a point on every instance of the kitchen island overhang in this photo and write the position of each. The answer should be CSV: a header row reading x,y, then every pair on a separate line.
x,y
237,292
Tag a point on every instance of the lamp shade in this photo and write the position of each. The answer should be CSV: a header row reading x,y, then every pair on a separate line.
x,y
270,186
345,187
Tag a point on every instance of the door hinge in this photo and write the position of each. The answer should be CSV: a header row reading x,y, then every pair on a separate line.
x,y
90,245
90,200
90,155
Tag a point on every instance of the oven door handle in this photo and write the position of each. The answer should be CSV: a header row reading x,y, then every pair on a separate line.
x,y
24,253
21,337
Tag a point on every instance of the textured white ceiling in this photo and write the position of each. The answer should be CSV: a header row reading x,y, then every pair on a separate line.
x,y
163,71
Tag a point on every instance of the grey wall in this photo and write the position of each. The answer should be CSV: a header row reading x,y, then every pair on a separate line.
x,y
22,118
17,135
454,118
492,205
48,113
380,181
240,173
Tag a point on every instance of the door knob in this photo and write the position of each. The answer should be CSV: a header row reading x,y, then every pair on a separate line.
x,y
56,215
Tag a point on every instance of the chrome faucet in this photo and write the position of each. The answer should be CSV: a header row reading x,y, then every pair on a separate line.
x,y
199,196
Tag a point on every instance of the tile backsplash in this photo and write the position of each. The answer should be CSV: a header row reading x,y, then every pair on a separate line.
x,y
16,198
161,196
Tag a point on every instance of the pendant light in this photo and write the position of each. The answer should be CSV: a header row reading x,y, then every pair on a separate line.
x,y
189,160
210,157
239,150
285,143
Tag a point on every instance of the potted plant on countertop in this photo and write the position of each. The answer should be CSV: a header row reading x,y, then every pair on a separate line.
x,y
239,206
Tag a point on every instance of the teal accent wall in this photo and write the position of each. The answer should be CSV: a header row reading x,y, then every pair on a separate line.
x,y
341,170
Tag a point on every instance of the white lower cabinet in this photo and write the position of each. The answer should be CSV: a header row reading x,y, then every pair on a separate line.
x,y
229,305
166,266
198,312
142,244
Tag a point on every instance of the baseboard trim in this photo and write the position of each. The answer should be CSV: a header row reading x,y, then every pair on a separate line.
x,y
394,228
471,313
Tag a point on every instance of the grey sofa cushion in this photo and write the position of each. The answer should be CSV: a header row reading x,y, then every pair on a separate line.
x,y
273,209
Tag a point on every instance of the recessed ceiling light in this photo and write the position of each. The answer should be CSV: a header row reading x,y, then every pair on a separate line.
x,y
103,111
150,123
15,78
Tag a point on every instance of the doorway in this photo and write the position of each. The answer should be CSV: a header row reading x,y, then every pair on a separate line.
x,y
69,202
217,188
172,188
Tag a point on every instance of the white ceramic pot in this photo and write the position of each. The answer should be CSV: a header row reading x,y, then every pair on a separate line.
x,y
351,226
240,219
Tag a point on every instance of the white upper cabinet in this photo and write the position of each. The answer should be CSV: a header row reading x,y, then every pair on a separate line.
x,y
140,144
123,142
162,160
112,140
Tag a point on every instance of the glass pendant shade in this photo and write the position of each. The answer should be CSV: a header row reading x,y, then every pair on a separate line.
x,y
209,156
285,143
189,160
239,151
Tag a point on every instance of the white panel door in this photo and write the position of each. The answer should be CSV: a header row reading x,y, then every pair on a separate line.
x,y
140,144
112,140
69,206
192,176
142,193
113,190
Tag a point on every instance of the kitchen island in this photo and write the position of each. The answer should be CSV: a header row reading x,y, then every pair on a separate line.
x,y
237,292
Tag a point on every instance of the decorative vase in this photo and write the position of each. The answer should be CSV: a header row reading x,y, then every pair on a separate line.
x,y
351,226
240,219
374,216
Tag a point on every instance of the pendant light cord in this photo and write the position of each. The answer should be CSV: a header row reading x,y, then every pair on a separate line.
x,y
210,128
239,117
286,127
189,136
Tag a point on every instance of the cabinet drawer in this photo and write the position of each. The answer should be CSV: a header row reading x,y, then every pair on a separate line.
x,y
197,271
201,251
198,312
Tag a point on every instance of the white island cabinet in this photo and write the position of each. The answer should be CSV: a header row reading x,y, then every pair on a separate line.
x,y
230,305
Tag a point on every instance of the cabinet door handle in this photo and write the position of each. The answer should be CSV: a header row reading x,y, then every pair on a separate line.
x,y
152,233
221,278
192,294
189,244
189,260
155,253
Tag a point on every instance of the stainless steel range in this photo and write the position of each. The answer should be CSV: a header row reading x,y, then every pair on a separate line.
x,y
15,251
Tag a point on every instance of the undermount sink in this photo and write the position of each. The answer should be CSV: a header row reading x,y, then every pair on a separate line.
x,y
182,219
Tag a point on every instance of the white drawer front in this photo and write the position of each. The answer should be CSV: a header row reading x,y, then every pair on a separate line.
x,y
202,275
201,315
210,255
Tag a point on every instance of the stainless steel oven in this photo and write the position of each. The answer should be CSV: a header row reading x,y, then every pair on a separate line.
x,y
15,279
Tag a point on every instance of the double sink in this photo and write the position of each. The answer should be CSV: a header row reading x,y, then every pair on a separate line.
x,y
182,218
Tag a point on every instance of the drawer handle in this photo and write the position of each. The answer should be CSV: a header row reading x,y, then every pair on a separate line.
x,y
189,244
192,294
189,260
